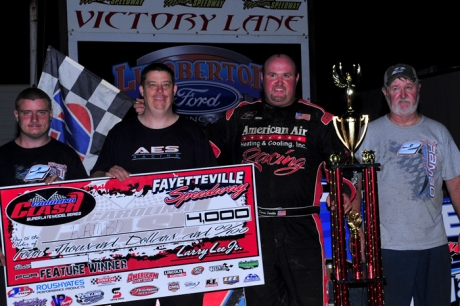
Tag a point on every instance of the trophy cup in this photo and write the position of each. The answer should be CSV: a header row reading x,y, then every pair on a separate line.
x,y
351,129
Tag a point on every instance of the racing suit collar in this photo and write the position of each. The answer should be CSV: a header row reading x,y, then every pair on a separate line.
x,y
274,108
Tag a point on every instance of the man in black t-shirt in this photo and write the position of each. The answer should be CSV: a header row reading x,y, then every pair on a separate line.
x,y
35,157
156,140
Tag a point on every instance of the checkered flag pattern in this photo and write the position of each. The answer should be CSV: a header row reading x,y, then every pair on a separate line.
x,y
85,107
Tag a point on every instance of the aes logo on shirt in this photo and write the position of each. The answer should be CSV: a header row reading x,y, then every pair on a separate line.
x,y
157,152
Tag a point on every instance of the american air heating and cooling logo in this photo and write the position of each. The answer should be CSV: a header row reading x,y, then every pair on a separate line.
x,y
50,206
210,80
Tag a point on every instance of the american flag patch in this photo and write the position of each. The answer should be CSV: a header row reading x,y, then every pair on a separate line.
x,y
302,116
281,213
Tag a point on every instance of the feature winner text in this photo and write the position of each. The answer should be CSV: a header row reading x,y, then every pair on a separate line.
x,y
79,269
183,189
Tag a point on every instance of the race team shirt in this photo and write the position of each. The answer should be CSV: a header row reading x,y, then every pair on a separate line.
x,y
287,146
139,149
27,166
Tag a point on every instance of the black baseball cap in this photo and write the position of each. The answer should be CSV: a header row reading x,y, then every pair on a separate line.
x,y
399,71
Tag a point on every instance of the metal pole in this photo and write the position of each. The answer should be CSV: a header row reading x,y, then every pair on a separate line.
x,y
339,264
33,41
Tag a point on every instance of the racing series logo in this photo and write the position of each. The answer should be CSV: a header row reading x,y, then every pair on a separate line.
x,y
50,206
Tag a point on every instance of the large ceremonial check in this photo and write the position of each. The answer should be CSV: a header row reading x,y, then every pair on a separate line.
x,y
101,241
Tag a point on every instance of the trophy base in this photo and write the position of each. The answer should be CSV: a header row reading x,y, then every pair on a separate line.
x,y
352,161
370,275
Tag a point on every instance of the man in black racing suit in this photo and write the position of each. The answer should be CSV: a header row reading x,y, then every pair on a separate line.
x,y
288,140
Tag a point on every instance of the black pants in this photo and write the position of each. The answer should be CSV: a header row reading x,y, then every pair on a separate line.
x,y
294,267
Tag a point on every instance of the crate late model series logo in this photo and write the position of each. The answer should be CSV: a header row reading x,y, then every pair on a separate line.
x,y
51,206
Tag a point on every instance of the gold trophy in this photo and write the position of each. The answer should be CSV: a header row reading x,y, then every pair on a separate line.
x,y
352,127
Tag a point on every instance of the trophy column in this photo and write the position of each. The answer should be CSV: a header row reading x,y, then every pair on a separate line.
x,y
339,275
372,239
371,277
351,129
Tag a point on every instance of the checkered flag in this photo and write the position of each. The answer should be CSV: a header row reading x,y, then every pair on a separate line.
x,y
85,107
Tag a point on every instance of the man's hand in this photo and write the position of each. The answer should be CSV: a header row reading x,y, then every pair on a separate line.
x,y
114,172
2,259
139,106
347,204
354,205
52,178
362,240
118,172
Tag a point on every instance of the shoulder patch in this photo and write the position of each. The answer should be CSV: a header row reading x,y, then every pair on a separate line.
x,y
229,113
325,118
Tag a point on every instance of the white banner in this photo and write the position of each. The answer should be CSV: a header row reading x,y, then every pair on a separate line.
x,y
104,241
218,17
